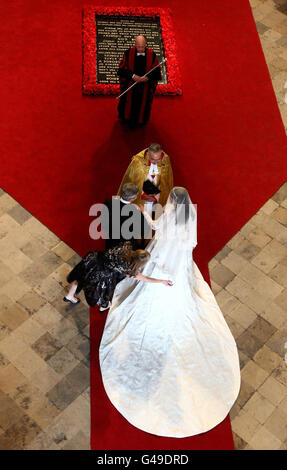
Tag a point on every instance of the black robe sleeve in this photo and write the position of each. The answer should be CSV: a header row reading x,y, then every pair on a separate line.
x,y
123,70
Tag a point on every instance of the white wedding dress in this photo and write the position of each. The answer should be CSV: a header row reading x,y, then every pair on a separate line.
x,y
169,362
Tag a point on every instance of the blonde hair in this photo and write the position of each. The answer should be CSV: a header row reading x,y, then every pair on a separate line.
x,y
138,259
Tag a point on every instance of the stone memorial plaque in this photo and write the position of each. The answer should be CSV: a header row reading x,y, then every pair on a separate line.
x,y
115,34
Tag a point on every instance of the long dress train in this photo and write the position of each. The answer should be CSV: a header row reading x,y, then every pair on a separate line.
x,y
169,362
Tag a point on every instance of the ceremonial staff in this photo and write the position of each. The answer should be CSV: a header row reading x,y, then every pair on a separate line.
x,y
158,65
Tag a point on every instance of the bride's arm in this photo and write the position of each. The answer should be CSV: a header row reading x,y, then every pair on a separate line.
x,y
154,224
141,277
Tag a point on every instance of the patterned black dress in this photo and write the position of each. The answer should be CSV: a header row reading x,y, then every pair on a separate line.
x,y
99,272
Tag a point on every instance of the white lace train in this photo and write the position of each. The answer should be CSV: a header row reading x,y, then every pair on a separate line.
x,y
169,362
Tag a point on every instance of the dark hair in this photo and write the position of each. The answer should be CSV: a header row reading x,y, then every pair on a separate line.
x,y
128,191
154,148
180,197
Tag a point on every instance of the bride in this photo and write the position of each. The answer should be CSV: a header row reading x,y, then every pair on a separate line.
x,y
168,360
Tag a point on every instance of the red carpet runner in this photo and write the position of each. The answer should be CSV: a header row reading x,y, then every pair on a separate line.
x,y
62,152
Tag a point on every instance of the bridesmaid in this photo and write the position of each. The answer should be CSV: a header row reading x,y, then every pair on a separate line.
x,y
98,273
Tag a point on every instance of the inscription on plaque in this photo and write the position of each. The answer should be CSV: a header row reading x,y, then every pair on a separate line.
x,y
116,34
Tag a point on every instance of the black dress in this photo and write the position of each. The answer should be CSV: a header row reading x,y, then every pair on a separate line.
x,y
99,272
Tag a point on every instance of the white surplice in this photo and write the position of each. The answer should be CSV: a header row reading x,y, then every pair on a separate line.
x,y
169,362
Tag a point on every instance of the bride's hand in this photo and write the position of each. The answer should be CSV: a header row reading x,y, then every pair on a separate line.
x,y
167,283
141,207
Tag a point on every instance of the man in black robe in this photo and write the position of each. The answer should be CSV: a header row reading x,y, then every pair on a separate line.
x,y
135,105
120,211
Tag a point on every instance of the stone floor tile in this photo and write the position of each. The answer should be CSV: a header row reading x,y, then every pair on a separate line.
x,y
234,411
19,214
34,274
283,404
3,360
270,206
253,374
277,424
234,262
33,249
226,301
212,263
79,442
247,250
64,251
246,392
17,261
12,346
46,346
222,275
15,288
243,358
222,253
32,302
13,316
30,331
245,425
262,329
279,275
79,346
243,315
274,314
75,259
277,342
247,294
6,274
60,274
280,214
273,390
79,377
27,362
79,316
62,394
280,373
281,194
10,412
262,283
45,378
10,378
63,361
4,331
248,343
281,299
267,359
49,289
7,202
47,316
258,238
44,414
64,331
270,226
215,287
234,327
270,256
259,407
22,432
261,28
265,440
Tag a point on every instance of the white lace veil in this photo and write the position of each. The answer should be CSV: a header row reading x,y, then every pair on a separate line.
x,y
178,222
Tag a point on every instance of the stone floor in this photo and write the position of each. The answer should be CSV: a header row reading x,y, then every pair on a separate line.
x,y
249,278
44,343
